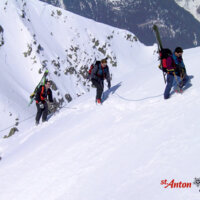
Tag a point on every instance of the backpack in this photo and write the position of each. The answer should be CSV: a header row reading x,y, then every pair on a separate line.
x,y
42,82
164,54
92,67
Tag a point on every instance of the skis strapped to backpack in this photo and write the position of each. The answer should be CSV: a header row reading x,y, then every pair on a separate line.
x,y
163,54
160,48
42,82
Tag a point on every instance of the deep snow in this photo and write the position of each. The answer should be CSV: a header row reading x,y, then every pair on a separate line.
x,y
120,150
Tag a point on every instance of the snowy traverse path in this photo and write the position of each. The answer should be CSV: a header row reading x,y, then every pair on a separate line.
x,y
114,151
118,151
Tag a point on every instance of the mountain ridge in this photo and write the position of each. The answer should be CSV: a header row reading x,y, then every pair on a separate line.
x,y
178,27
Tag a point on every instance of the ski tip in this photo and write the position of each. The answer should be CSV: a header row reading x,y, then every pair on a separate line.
x,y
155,27
46,71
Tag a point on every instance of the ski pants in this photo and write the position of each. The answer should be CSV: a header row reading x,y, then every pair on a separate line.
x,y
170,80
100,86
42,112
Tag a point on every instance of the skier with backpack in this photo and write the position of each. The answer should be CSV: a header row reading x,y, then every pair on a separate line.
x,y
97,73
42,93
172,65
168,66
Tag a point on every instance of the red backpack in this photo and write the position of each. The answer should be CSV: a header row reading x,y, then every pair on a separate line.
x,y
92,67
164,54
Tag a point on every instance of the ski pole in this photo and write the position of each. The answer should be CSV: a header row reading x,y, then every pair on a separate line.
x,y
179,89
164,77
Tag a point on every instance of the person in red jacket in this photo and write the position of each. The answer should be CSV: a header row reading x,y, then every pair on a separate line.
x,y
170,68
42,94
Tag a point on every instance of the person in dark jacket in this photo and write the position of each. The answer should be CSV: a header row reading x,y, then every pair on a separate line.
x,y
42,94
181,71
98,74
170,67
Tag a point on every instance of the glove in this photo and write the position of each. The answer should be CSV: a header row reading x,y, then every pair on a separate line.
x,y
51,105
41,105
109,85
183,72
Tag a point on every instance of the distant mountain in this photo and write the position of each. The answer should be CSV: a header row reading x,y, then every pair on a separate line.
x,y
58,3
177,26
192,6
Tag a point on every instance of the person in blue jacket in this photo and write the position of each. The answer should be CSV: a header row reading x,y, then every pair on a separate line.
x,y
98,74
180,66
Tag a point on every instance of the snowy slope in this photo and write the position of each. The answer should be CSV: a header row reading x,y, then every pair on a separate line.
x,y
45,37
192,6
120,150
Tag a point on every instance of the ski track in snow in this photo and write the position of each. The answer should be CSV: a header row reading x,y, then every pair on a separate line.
x,y
83,162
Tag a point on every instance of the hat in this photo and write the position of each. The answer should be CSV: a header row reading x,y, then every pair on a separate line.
x,y
179,50
47,81
104,60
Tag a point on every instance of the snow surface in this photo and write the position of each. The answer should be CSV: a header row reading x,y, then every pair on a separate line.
x,y
66,39
120,150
